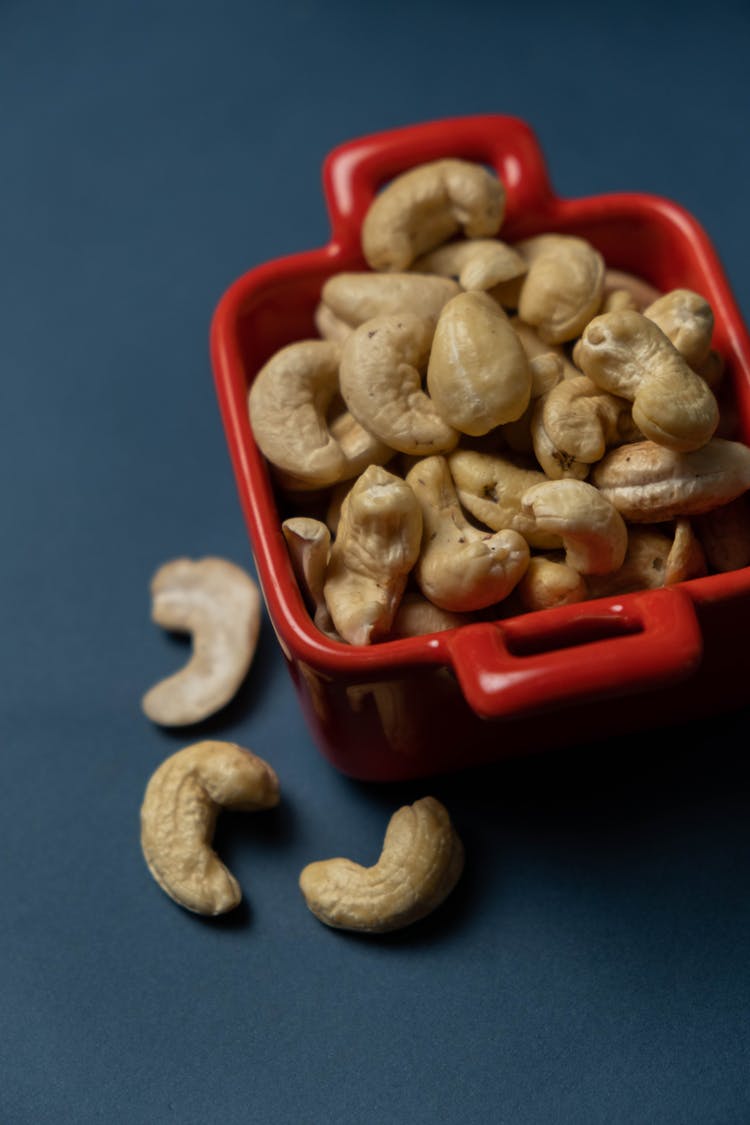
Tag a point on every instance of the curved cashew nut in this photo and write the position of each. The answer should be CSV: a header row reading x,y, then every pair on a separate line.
x,y
478,375
460,568
550,582
687,320
547,370
425,206
490,486
288,402
328,325
477,263
357,297
178,816
627,354
653,559
376,545
592,530
381,383
563,285
535,346
420,863
649,483
637,290
220,605
578,420
309,544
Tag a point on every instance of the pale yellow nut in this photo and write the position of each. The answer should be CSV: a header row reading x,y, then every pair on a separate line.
x,y
219,604
535,346
417,615
420,863
460,568
178,815
421,208
550,582
649,483
382,364
308,541
328,325
563,285
592,530
687,320
653,559
638,291
376,545
628,355
577,421
355,297
478,375
477,263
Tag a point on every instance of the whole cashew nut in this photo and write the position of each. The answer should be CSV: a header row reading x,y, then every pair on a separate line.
x,y
550,582
592,530
563,285
575,423
420,863
477,263
220,605
425,206
356,297
460,568
478,375
178,816
653,559
687,320
628,355
376,545
381,382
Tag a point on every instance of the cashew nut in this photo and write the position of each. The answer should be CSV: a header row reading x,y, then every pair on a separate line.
x,y
649,483
417,615
427,205
627,354
725,535
357,297
420,863
178,816
490,486
652,560
328,325
575,423
477,263
563,285
535,346
593,532
478,375
309,542
381,383
550,582
220,605
460,568
640,292
687,320
376,545
288,403
547,370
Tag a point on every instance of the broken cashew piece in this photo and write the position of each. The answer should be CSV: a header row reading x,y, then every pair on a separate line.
x,y
178,816
592,530
460,568
376,545
628,355
427,205
420,863
381,383
220,605
563,285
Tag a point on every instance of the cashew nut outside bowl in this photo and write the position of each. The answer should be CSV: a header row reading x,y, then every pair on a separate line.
x,y
420,864
220,606
178,815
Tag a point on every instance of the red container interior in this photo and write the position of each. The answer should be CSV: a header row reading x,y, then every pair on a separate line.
x,y
510,685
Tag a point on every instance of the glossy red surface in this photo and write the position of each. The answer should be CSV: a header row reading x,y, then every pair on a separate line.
x,y
430,704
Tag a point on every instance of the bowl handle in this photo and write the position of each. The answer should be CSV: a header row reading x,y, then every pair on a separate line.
x,y
578,652
353,172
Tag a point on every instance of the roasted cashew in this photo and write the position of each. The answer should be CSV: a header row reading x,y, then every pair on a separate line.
x,y
593,532
427,205
628,355
550,582
563,285
288,402
575,423
178,816
490,486
220,605
420,863
381,383
359,296
478,375
309,544
649,483
376,545
460,568
476,263
687,320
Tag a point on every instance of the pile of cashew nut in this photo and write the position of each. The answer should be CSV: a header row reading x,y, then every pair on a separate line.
x,y
484,428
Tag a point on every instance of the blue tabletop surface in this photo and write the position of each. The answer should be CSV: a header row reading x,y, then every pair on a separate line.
x,y
592,965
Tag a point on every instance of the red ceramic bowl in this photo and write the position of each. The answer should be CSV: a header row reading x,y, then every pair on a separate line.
x,y
425,705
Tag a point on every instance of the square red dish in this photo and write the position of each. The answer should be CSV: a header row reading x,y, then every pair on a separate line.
x,y
424,705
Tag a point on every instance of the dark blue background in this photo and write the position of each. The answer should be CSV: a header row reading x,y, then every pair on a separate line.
x,y
592,966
